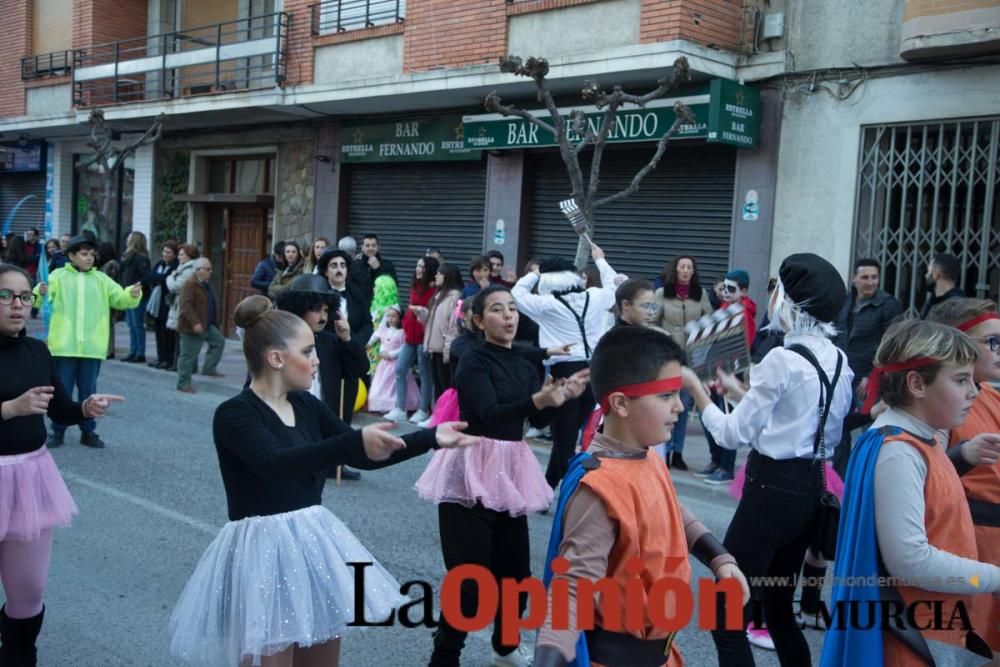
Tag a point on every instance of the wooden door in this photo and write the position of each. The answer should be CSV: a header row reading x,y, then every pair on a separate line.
x,y
245,247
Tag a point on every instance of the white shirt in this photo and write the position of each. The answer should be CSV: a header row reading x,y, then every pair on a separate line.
x,y
343,301
780,413
316,388
556,325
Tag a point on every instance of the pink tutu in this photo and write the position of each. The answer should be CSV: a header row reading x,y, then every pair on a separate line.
x,y
33,496
446,408
502,475
833,482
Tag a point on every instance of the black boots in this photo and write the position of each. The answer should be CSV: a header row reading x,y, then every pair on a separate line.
x,y
677,462
17,640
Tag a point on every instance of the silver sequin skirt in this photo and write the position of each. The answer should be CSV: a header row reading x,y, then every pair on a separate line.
x,y
268,582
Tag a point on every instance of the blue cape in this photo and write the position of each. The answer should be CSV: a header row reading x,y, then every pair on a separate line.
x,y
857,556
569,485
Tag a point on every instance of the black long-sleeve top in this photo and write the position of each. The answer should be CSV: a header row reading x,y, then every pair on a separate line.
x,y
270,468
468,340
25,363
494,386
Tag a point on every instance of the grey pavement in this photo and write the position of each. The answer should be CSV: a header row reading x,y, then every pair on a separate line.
x,y
152,501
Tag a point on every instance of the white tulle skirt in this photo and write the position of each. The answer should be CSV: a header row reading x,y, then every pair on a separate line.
x,y
268,582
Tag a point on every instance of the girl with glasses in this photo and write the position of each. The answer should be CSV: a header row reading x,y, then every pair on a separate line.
x,y
981,322
33,497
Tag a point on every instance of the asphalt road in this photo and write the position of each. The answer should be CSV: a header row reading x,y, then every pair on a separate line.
x,y
152,501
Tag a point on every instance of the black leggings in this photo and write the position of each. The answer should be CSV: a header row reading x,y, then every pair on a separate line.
x,y
768,537
479,536
569,419
441,372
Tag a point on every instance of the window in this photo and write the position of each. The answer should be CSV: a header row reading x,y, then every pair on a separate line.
x,y
926,189
333,16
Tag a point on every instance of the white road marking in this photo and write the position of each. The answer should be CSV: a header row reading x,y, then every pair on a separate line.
x,y
149,505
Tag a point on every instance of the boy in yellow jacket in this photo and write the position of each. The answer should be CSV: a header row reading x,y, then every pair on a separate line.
x,y
81,298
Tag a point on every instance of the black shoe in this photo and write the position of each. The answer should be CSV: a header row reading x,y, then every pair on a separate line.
x,y
163,365
140,359
17,639
677,462
345,473
55,440
91,439
172,368
128,360
154,363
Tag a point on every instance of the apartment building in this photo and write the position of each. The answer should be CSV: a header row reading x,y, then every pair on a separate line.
x,y
296,118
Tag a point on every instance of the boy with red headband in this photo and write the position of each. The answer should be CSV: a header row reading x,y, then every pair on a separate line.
x,y
906,539
617,503
979,320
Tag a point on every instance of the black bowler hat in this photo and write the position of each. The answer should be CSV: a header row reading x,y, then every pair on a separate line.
x,y
812,283
327,257
310,282
80,241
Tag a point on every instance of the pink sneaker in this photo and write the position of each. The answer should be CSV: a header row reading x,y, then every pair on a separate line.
x,y
760,637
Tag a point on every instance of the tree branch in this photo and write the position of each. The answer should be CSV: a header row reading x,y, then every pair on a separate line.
x,y
496,105
682,115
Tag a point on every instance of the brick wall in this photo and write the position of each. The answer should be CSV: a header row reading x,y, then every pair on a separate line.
x,y
15,35
453,33
300,47
100,21
708,22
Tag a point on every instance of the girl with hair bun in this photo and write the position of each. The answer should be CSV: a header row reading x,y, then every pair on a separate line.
x,y
274,587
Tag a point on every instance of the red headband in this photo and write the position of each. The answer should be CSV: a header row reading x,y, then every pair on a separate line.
x,y
986,317
651,388
873,390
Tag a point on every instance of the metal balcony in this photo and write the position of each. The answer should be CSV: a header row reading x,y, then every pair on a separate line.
x,y
57,63
333,16
243,54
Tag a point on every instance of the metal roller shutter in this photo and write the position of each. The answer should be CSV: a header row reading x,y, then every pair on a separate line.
x,y
684,206
52,26
13,188
415,206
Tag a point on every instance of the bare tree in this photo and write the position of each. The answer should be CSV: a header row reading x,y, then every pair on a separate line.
x,y
585,189
111,161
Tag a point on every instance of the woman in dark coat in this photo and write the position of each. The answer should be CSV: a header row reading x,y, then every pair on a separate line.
x,y
159,307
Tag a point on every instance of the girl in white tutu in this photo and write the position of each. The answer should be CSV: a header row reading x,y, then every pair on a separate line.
x,y
485,493
33,497
274,587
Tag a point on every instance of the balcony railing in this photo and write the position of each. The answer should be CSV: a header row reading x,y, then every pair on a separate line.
x,y
57,63
332,16
243,54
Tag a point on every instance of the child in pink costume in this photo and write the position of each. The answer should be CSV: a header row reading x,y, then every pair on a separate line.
x,y
382,395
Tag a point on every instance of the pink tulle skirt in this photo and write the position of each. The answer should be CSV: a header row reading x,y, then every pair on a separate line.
x,y
502,475
446,408
33,496
833,482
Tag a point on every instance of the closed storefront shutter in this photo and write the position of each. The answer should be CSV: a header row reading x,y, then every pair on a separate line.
x,y
415,206
13,188
684,206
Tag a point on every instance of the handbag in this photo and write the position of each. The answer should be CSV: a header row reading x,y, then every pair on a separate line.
x,y
823,541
